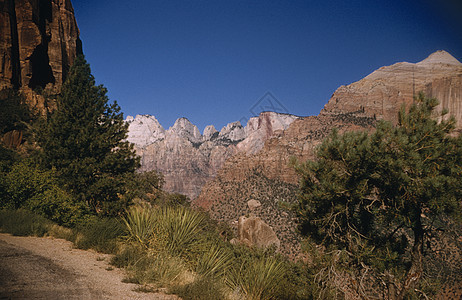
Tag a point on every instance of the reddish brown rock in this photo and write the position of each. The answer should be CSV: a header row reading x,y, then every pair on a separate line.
x,y
267,176
38,43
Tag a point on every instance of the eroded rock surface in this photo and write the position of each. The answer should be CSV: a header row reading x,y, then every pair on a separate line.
x,y
253,232
39,41
382,93
267,176
189,159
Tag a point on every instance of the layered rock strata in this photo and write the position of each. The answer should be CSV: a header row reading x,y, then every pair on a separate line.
x,y
38,43
267,176
187,158
382,93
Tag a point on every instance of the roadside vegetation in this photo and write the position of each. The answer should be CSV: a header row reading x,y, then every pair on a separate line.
x,y
372,206
71,175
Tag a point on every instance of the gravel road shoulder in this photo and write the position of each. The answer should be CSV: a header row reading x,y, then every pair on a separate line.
x,y
48,268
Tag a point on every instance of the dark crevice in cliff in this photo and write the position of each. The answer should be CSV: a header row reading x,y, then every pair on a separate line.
x,y
42,74
45,13
15,65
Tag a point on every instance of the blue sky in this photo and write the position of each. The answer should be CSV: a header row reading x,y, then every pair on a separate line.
x,y
213,60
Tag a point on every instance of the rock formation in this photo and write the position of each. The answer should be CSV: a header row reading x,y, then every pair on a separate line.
x,y
187,158
267,177
38,43
253,232
382,93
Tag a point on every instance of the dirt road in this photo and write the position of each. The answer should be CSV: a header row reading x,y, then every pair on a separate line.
x,y
46,268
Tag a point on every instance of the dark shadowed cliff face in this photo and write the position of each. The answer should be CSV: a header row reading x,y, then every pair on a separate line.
x,y
39,40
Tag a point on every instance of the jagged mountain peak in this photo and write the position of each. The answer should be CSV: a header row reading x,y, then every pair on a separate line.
x,y
198,157
209,132
144,130
183,127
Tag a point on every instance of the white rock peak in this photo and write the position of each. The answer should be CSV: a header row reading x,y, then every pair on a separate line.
x,y
183,127
144,130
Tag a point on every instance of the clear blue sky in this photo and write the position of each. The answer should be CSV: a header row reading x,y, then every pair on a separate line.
x,y
212,60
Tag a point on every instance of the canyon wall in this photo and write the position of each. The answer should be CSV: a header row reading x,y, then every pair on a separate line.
x,y
38,43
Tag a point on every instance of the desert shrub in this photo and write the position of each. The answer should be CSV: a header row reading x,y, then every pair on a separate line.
x,y
257,278
204,288
128,255
215,261
160,269
100,234
23,223
172,229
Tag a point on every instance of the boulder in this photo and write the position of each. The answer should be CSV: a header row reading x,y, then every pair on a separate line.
x,y
253,232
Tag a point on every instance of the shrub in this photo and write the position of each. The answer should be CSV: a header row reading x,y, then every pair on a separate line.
x,y
214,262
23,223
100,234
204,288
257,278
30,187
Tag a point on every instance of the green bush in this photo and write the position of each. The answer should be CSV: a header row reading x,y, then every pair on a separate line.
x,y
172,229
28,186
100,234
23,223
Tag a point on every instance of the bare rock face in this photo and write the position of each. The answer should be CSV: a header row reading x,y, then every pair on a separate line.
x,y
38,43
188,159
382,93
253,232
267,176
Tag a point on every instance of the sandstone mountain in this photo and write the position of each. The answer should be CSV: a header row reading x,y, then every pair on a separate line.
x,y
38,43
267,177
382,93
187,158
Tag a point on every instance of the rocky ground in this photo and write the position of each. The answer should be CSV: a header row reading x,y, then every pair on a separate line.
x,y
47,268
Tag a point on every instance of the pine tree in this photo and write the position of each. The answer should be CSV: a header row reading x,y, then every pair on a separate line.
x,y
379,196
84,140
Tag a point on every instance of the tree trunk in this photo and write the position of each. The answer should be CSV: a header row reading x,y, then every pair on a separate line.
x,y
415,272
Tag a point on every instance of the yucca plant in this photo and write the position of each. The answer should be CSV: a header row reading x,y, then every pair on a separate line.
x,y
214,262
257,278
141,225
182,226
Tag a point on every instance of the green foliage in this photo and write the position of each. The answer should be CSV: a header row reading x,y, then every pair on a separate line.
x,y
214,262
23,223
30,187
100,234
15,113
258,278
373,195
171,229
84,140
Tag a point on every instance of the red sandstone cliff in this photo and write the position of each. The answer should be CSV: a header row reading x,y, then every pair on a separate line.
x,y
39,40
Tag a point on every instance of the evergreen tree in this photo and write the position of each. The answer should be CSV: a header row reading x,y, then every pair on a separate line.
x,y
84,140
379,197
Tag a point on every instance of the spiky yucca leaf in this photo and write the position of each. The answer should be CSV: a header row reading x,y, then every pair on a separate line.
x,y
140,223
214,262
257,278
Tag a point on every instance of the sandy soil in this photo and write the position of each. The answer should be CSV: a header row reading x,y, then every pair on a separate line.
x,y
47,268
